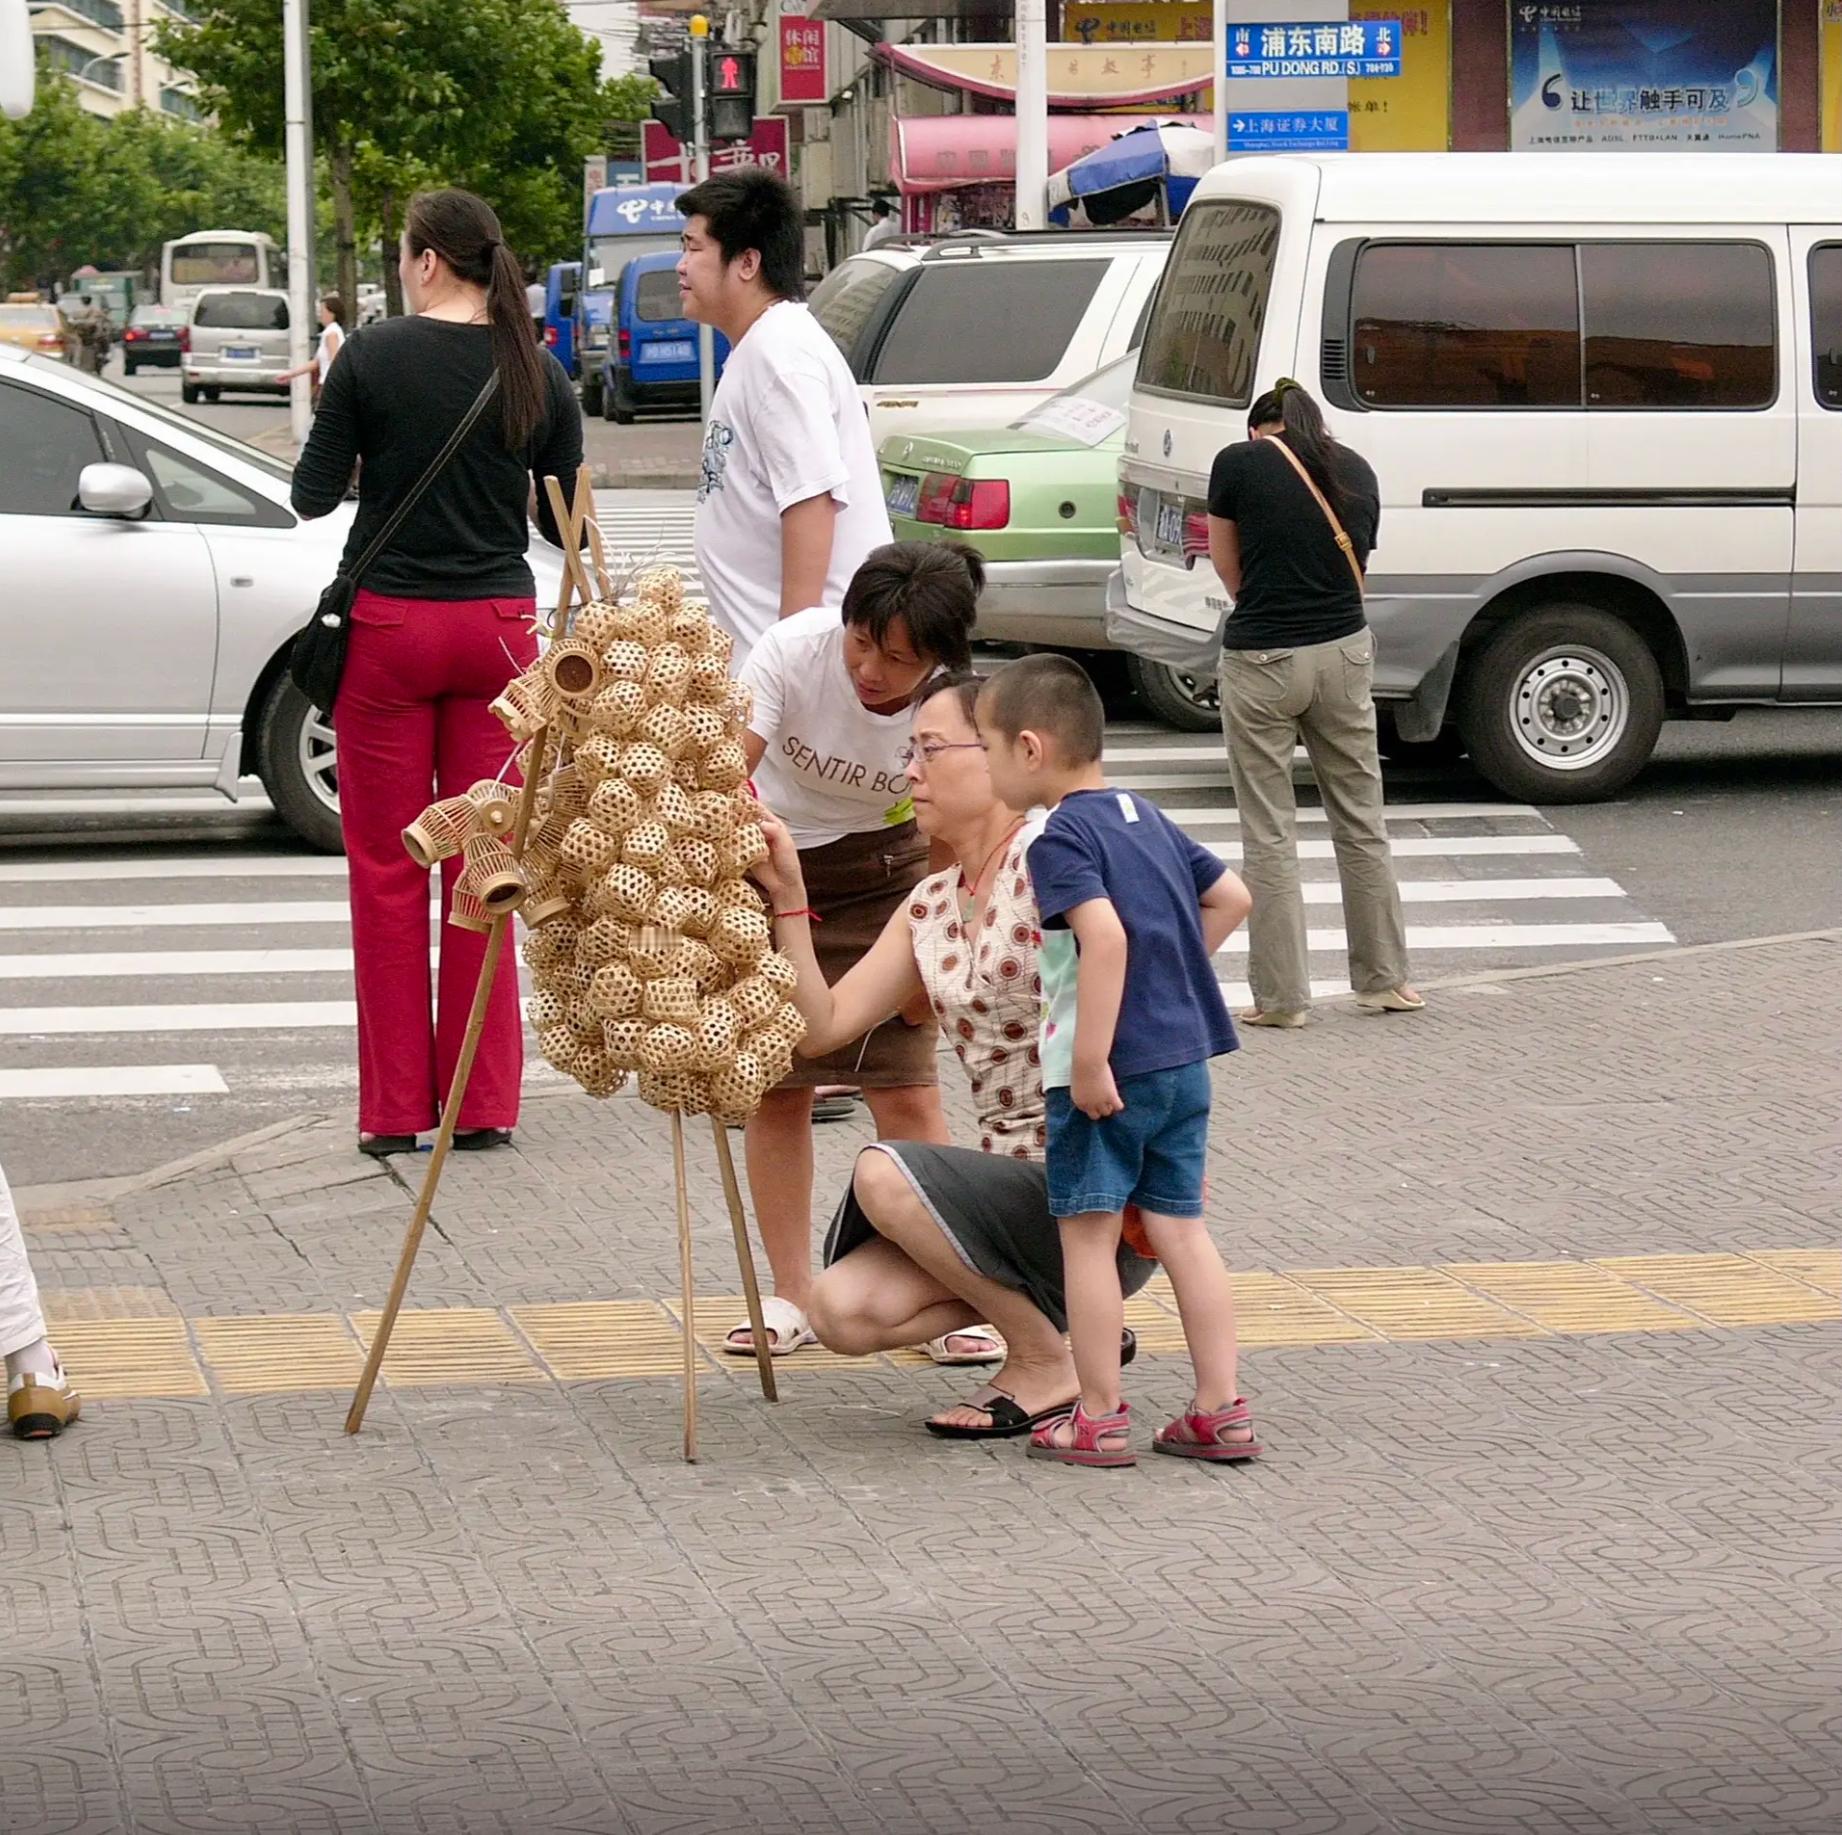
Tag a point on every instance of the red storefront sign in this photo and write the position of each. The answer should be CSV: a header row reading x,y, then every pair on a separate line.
x,y
802,61
669,163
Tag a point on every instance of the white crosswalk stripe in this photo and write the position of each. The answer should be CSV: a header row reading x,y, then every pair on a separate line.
x,y
641,528
159,961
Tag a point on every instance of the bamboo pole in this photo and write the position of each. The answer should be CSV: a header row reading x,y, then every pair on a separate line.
x,y
450,1113
745,1260
573,581
687,1303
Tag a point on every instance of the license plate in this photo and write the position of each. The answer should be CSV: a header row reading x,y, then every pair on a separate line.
x,y
1169,534
240,350
903,494
674,350
161,337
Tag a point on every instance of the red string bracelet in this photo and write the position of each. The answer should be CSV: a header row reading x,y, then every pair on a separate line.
x,y
805,911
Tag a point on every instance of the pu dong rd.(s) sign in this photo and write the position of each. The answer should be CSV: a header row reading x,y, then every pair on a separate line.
x,y
1336,48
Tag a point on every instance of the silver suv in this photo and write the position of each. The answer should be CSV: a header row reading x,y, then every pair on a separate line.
x,y
239,341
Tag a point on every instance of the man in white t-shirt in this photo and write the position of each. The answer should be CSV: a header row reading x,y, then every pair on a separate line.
x,y
790,500
885,228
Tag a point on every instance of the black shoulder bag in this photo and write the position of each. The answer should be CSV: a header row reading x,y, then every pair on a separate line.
x,y
317,660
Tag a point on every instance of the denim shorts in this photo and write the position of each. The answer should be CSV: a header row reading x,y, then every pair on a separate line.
x,y
1149,1154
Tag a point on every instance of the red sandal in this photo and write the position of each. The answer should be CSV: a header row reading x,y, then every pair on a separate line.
x,y
1199,1436
1089,1433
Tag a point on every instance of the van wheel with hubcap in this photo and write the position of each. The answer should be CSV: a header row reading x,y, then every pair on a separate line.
x,y
297,760
1187,699
1562,705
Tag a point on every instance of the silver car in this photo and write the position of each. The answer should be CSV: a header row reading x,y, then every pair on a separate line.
x,y
239,341
156,577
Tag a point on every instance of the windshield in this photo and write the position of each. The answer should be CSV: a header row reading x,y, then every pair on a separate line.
x,y
214,264
146,404
41,316
157,315
1110,386
241,312
612,253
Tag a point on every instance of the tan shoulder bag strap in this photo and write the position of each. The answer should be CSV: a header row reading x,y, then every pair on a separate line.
x,y
1330,515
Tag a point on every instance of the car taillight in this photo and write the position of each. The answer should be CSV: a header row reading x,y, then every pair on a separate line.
x,y
1128,513
133,335
50,340
985,504
185,338
1196,532
935,495
626,343
550,336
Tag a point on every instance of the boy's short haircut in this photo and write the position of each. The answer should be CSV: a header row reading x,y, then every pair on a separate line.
x,y
1047,694
750,207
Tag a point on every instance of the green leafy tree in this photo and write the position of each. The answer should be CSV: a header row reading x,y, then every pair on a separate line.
x,y
500,96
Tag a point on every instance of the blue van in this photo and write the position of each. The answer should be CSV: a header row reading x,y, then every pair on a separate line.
x,y
653,362
560,313
620,222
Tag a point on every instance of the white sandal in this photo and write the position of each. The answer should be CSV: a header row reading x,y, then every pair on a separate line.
x,y
939,1349
787,1325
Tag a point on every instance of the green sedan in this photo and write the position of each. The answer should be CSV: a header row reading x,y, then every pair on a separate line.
x,y
1040,500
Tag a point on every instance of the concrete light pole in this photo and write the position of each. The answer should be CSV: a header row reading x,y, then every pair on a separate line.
x,y
1218,111
700,170
297,101
1031,208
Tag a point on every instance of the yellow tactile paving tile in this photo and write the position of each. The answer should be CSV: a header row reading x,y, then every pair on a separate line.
x,y
594,1339
129,1357
717,1315
1725,1289
1572,1296
281,1352
1818,1268
456,1344
1413,1303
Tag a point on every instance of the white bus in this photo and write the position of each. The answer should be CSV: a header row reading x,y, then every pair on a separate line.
x,y
218,258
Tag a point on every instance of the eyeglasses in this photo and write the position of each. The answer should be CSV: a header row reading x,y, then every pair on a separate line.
x,y
925,753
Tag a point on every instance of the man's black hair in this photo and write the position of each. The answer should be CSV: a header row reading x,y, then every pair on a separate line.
x,y
879,207
1051,695
750,207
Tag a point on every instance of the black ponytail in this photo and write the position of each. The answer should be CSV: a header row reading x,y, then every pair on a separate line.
x,y
465,233
1292,405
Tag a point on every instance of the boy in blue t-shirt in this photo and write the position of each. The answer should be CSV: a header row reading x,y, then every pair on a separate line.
x,y
1132,914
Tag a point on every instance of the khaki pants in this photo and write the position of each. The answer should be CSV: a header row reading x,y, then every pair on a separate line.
x,y
1272,699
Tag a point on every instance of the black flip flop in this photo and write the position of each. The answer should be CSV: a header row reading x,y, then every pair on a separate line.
x,y
1007,1419
380,1146
482,1140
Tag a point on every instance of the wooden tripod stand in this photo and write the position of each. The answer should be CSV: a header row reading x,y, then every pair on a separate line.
x,y
574,521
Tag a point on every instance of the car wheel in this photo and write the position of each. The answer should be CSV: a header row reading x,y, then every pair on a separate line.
x,y
297,761
621,406
128,369
1561,706
1187,699
591,396
188,393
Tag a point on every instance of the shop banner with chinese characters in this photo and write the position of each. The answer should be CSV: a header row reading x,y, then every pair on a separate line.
x,y
668,161
1410,113
1644,75
802,61
1137,22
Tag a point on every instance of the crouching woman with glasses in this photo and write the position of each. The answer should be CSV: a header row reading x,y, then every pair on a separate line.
x,y
827,748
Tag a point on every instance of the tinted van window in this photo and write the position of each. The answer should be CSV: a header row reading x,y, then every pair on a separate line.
x,y
1466,325
844,300
241,312
1826,322
1204,334
655,296
1678,325
987,321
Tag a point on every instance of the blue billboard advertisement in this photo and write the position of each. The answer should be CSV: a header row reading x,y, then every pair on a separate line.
x,y
1644,75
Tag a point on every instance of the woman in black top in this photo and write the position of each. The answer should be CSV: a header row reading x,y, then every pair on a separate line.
x,y
442,621
1298,664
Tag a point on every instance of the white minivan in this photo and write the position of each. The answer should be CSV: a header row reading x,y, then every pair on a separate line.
x,y
1603,396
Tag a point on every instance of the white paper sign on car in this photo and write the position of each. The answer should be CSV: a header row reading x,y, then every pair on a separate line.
x,y
1087,423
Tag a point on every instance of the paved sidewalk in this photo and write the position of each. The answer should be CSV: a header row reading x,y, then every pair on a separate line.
x,y
1546,1541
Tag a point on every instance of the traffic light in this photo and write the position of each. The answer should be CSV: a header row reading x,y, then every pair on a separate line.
x,y
732,93
673,75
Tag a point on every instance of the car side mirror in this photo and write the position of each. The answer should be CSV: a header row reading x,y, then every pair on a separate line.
x,y
114,490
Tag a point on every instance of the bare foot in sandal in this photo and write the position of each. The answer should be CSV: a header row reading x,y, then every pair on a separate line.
x,y
1029,1389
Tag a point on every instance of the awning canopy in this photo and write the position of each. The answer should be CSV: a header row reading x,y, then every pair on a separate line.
x,y
1080,76
945,152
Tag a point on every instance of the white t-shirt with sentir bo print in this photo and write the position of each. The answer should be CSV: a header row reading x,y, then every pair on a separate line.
x,y
832,768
